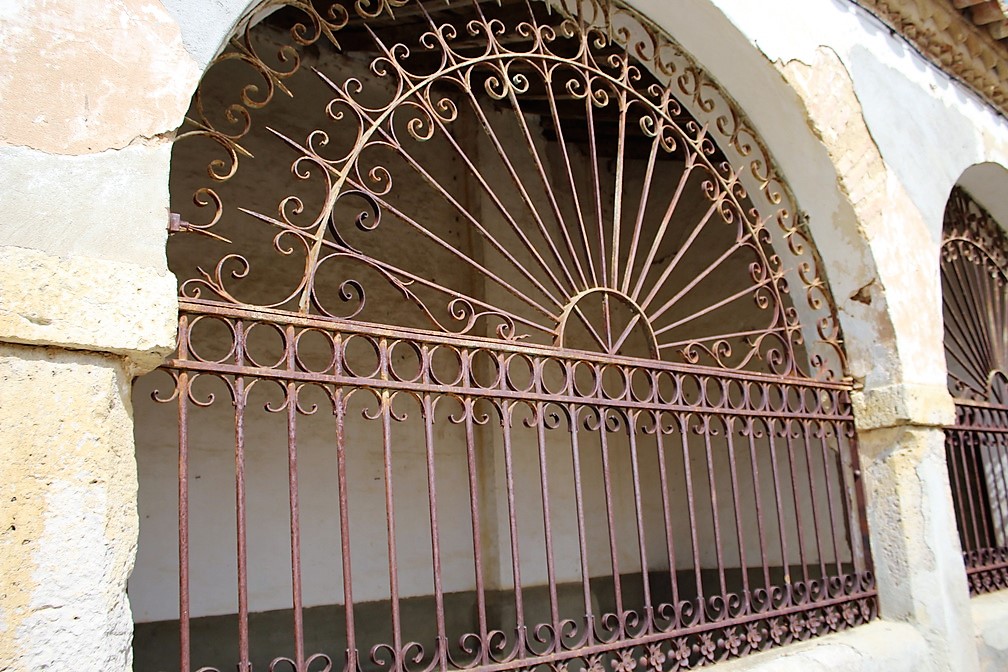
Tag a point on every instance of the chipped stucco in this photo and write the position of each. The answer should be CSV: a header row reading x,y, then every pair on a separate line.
x,y
69,73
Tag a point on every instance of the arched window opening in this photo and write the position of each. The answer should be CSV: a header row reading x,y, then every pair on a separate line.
x,y
501,345
974,266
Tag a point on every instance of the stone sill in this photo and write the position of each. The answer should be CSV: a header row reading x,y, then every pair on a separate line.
x,y
880,645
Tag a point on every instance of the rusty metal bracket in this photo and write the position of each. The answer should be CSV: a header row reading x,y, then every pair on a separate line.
x,y
178,225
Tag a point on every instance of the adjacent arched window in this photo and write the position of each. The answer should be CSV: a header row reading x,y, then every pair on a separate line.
x,y
974,266
501,346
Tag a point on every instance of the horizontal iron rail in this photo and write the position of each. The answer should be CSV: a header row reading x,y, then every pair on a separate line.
x,y
335,325
985,567
492,393
978,428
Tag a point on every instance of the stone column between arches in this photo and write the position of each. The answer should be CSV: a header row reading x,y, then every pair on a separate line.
x,y
903,404
74,333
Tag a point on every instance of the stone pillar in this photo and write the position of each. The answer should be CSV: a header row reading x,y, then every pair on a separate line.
x,y
911,521
90,94
83,328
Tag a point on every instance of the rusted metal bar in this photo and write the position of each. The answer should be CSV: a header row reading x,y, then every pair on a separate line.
x,y
241,515
474,516
729,432
339,410
573,419
182,390
441,655
507,412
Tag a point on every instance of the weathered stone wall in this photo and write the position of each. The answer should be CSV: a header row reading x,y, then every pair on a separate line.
x,y
91,93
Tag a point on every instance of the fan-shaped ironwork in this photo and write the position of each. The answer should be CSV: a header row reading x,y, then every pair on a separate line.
x,y
627,203
974,268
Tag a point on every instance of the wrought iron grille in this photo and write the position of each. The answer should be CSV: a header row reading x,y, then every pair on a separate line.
x,y
974,299
503,291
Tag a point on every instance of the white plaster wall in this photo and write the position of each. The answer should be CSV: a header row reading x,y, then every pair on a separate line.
x,y
927,129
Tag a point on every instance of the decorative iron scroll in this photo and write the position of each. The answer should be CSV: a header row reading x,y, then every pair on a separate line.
x,y
975,302
975,308
576,244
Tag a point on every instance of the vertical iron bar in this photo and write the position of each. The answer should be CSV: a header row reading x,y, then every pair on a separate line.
x,y
610,519
859,534
540,412
506,419
954,437
996,499
442,638
754,461
295,522
981,457
582,543
683,419
393,566
786,426
666,510
813,490
830,497
244,663
344,522
711,482
999,499
729,425
474,512
781,527
183,501
964,446
631,420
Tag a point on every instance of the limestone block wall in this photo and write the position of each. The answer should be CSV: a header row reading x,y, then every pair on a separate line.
x,y
870,137
91,94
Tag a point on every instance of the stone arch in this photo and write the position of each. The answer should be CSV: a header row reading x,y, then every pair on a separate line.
x,y
765,162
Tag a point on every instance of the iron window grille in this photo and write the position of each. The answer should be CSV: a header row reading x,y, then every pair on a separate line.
x,y
523,289
973,276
